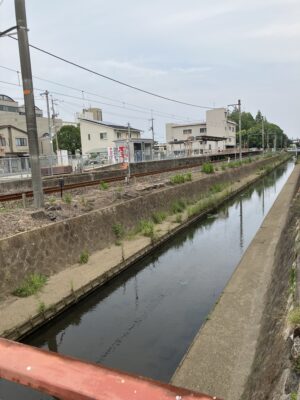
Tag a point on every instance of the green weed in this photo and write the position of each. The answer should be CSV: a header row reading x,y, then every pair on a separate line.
x,y
216,188
146,228
41,307
294,316
84,257
207,168
119,231
67,198
159,216
178,219
178,206
103,186
31,285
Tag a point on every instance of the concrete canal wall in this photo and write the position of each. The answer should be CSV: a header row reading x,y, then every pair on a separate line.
x,y
240,352
52,248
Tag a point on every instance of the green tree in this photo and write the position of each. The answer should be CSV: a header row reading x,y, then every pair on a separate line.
x,y
68,138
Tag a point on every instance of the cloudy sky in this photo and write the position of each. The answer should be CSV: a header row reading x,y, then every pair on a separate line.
x,y
206,52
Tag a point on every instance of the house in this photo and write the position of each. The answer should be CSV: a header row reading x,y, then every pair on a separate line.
x,y
110,141
14,115
13,141
215,135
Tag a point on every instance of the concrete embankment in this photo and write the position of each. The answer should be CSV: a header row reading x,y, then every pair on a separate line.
x,y
239,352
55,250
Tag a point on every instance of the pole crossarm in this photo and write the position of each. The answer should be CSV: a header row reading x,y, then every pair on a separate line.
x,y
4,33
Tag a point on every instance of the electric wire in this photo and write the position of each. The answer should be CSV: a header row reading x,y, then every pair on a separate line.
x,y
113,79
180,117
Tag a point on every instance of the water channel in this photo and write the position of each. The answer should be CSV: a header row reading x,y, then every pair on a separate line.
x,y
144,320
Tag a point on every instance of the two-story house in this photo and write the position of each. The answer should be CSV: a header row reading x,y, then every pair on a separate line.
x,y
13,141
111,141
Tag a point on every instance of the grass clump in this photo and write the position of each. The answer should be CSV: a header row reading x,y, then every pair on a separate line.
x,y
119,231
294,316
52,200
178,206
207,168
31,285
146,227
293,396
159,216
216,188
67,198
103,186
293,283
41,307
177,179
178,219
181,178
224,167
188,177
84,257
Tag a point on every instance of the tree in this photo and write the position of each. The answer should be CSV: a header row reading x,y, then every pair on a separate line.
x,y
68,139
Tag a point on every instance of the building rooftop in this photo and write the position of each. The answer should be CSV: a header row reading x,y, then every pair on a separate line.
x,y
111,125
3,97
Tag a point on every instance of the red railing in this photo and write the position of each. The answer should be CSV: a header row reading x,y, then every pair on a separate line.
x,y
71,379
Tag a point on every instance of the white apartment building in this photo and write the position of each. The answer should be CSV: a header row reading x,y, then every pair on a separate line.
x,y
11,114
215,135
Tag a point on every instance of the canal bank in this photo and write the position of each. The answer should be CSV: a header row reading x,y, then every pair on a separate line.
x,y
238,353
144,320
67,287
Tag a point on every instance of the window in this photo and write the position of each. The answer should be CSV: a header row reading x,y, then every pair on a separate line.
x,y
187,131
119,135
103,136
202,130
2,141
21,142
89,137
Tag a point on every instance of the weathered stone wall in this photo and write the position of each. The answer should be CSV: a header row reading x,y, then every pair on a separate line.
x,y
52,248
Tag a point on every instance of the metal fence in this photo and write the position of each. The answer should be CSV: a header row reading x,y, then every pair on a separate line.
x,y
19,167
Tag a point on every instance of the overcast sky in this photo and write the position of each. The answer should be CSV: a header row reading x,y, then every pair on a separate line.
x,y
207,52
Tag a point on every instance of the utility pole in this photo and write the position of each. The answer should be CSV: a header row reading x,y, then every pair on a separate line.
x,y
240,127
128,152
268,140
36,176
53,124
152,130
262,134
46,94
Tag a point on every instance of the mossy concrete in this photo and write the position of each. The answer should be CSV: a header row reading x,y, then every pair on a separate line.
x,y
222,356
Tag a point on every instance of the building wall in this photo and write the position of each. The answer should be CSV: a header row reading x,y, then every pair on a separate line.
x,y
13,137
182,132
19,121
90,136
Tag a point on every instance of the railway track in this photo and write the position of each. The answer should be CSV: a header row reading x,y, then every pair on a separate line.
x,y
57,189
118,178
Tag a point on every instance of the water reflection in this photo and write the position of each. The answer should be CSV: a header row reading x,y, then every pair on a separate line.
x,y
144,320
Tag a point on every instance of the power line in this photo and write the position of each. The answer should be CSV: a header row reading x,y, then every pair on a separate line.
x,y
112,79
107,98
103,103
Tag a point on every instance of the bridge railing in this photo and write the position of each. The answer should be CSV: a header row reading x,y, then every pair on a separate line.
x,y
68,378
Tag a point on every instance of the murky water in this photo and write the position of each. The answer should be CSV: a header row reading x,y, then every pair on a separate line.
x,y
144,320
